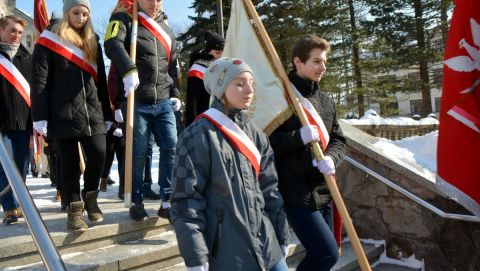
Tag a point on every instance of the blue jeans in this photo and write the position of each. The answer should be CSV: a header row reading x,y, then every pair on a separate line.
x,y
147,179
314,230
159,119
16,143
280,266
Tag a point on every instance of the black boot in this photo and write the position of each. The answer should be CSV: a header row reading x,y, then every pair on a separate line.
x,y
103,185
91,205
138,213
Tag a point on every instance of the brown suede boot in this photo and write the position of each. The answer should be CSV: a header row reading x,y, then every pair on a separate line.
x,y
103,184
75,220
58,197
91,205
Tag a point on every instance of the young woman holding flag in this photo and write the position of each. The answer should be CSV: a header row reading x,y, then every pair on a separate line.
x,y
226,208
70,104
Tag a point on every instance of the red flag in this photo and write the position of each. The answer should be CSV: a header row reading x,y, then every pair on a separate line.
x,y
123,6
40,15
459,131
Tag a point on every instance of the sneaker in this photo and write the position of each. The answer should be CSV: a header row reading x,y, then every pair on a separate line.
x,y
164,213
149,194
46,175
138,213
35,174
10,217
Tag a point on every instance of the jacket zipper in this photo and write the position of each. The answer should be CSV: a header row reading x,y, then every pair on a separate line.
x,y
156,70
218,233
85,105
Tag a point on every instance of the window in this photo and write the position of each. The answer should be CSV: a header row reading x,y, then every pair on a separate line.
x,y
416,107
29,41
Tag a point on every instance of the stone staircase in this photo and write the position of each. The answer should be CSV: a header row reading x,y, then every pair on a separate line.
x,y
122,244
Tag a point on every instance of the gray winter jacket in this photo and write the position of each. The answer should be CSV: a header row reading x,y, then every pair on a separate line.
x,y
221,211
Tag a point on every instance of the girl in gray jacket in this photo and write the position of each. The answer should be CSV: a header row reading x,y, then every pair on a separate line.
x,y
226,208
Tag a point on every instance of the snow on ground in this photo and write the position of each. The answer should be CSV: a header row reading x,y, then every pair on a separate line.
x,y
372,118
421,150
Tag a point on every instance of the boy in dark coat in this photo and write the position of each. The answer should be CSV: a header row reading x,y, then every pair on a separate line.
x,y
198,98
15,119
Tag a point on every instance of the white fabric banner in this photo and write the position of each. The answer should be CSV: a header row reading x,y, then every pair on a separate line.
x,y
242,42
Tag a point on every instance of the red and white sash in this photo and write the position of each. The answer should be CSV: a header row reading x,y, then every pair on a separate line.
x,y
157,31
197,71
235,135
67,50
15,77
314,119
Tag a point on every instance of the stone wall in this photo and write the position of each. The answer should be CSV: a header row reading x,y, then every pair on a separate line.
x,y
379,212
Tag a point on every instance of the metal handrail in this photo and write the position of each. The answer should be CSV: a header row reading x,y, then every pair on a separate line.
x,y
415,198
48,252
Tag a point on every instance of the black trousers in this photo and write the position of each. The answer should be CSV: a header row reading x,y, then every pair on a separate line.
x,y
115,146
94,149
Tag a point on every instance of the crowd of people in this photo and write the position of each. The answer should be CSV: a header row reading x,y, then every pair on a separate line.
x,y
229,190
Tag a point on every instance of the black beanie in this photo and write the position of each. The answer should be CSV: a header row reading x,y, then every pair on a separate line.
x,y
213,41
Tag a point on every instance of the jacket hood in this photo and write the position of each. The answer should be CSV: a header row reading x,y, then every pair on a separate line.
x,y
201,57
307,88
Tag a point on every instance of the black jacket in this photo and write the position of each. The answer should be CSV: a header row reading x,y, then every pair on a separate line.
x,y
158,76
301,184
67,96
198,99
14,111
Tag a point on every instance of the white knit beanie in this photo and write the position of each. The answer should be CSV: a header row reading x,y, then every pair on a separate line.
x,y
68,4
221,72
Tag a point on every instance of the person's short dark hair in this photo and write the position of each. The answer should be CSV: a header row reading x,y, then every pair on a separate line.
x,y
305,45
213,41
9,18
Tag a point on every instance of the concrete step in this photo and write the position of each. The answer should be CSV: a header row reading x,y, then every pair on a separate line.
x,y
393,267
17,247
160,249
348,260
159,252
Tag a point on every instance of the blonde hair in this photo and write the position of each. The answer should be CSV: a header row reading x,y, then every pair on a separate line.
x,y
85,39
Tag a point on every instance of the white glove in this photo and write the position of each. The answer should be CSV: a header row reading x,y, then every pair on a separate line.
x,y
108,125
326,165
284,250
118,132
118,116
41,127
176,103
309,134
130,83
203,267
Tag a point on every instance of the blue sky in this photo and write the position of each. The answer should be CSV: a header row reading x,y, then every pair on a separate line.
x,y
177,10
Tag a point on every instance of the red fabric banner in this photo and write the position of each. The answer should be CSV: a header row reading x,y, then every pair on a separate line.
x,y
459,131
40,15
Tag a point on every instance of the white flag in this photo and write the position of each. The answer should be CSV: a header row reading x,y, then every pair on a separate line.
x,y
270,108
